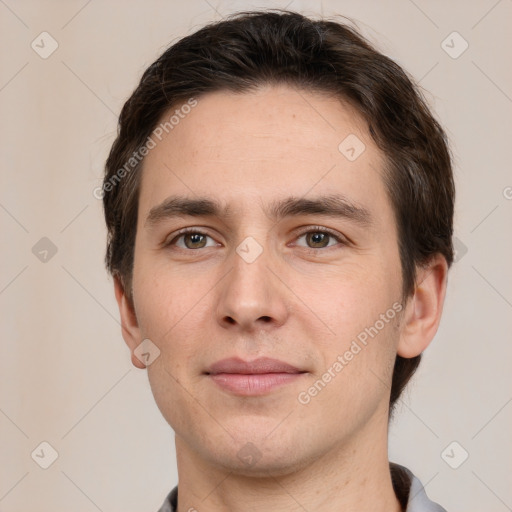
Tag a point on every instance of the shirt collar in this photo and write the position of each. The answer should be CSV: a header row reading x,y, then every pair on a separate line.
x,y
417,499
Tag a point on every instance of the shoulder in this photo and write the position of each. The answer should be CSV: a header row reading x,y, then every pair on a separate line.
x,y
411,492
171,502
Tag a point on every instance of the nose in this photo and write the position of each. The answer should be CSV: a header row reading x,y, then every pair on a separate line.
x,y
252,296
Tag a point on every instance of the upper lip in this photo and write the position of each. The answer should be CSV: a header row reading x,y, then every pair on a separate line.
x,y
258,366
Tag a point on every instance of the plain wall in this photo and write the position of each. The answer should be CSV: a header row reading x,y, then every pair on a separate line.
x,y
65,371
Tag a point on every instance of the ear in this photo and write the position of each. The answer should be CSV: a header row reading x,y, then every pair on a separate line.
x,y
423,311
129,323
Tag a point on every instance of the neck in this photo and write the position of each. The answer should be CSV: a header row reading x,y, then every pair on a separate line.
x,y
353,477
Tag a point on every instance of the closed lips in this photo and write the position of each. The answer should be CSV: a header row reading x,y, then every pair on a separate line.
x,y
262,365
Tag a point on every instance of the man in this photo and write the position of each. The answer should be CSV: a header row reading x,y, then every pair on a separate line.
x,y
279,203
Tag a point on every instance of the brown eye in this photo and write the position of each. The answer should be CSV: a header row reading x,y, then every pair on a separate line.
x,y
191,239
318,239
194,240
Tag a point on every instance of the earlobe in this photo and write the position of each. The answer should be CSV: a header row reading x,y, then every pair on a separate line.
x,y
129,324
423,311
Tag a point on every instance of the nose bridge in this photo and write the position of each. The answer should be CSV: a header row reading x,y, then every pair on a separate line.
x,y
250,295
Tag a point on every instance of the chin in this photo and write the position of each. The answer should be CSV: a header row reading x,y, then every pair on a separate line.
x,y
270,457
270,465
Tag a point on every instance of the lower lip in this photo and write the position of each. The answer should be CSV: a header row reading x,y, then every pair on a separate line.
x,y
253,384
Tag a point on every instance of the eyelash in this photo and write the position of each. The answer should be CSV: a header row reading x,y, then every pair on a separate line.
x,y
312,229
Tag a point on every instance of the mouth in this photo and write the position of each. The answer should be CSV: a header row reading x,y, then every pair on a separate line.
x,y
252,378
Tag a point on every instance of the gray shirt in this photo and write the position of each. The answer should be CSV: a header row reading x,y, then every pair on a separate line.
x,y
408,489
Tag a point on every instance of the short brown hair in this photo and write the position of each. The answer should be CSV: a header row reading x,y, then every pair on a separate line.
x,y
250,49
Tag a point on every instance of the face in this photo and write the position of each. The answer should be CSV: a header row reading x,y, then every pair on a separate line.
x,y
292,256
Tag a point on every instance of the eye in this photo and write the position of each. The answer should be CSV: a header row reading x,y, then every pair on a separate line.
x,y
316,238
320,238
191,239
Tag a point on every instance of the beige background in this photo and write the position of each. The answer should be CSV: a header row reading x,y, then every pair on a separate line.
x,y
66,376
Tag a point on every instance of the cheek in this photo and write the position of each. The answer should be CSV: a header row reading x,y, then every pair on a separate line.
x,y
355,330
175,311
345,301
355,374
162,296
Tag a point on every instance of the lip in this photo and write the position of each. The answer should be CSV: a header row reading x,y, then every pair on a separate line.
x,y
252,378
258,366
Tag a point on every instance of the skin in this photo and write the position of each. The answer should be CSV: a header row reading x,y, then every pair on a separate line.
x,y
200,305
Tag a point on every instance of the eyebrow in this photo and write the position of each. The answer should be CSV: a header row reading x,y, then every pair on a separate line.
x,y
333,205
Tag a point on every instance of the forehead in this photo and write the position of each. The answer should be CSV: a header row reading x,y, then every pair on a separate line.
x,y
270,143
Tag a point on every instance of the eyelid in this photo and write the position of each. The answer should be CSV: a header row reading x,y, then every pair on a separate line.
x,y
321,229
341,239
172,239
303,231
